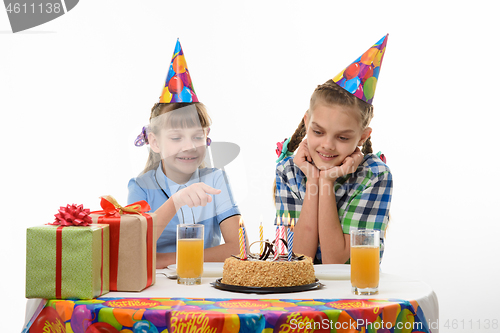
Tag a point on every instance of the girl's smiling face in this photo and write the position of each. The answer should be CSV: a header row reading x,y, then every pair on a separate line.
x,y
333,132
182,151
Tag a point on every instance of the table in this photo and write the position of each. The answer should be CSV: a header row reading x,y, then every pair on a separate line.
x,y
409,293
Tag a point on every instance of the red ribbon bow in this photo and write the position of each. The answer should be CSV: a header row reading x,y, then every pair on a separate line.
x,y
112,208
73,215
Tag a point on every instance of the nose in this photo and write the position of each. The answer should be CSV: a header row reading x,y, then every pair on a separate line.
x,y
189,145
328,143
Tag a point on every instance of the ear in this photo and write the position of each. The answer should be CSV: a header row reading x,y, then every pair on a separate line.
x,y
306,120
365,135
153,143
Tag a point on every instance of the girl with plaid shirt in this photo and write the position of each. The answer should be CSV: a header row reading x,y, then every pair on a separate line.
x,y
329,186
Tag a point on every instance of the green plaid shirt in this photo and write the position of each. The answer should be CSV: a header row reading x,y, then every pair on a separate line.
x,y
363,197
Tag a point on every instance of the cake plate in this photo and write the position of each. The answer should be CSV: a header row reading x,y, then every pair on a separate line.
x,y
266,290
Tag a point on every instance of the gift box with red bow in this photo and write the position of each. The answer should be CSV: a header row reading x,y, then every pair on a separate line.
x,y
68,259
132,244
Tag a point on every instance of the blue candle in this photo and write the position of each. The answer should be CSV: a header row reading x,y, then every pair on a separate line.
x,y
290,241
244,241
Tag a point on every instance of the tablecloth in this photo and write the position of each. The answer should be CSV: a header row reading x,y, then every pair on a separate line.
x,y
202,308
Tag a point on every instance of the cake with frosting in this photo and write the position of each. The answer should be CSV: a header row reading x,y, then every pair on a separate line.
x,y
268,273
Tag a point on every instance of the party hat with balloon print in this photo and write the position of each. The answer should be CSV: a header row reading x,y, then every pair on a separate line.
x,y
178,85
360,78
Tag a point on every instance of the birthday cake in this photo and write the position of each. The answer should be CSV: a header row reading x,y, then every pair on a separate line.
x,y
268,273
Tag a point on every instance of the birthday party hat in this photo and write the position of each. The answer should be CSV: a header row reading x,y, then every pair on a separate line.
x,y
360,78
178,85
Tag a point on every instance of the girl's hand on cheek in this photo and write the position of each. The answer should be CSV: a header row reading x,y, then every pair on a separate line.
x,y
349,165
194,195
304,161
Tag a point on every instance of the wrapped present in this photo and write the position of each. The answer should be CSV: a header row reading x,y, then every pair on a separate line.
x,y
132,241
69,259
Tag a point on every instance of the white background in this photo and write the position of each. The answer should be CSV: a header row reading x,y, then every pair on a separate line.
x,y
75,92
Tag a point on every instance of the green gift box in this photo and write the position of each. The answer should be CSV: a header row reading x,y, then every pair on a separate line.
x,y
67,261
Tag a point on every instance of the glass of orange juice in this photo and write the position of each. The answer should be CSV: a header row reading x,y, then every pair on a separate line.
x,y
365,261
189,253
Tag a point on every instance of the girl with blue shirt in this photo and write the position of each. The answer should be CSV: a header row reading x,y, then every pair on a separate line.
x,y
179,189
175,182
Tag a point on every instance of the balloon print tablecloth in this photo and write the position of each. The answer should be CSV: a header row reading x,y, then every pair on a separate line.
x,y
191,315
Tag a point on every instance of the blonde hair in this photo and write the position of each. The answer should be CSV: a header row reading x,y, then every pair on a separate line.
x,y
330,93
192,115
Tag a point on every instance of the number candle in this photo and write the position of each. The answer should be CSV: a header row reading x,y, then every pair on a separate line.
x,y
290,241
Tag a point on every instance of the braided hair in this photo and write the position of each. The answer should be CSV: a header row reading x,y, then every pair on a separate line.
x,y
194,114
297,137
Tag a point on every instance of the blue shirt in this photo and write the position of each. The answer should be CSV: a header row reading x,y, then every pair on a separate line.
x,y
154,187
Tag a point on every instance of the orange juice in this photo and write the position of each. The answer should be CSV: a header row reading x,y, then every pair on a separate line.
x,y
365,266
189,258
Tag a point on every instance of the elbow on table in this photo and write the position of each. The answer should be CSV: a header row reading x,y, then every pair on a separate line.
x,y
232,249
305,250
164,259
